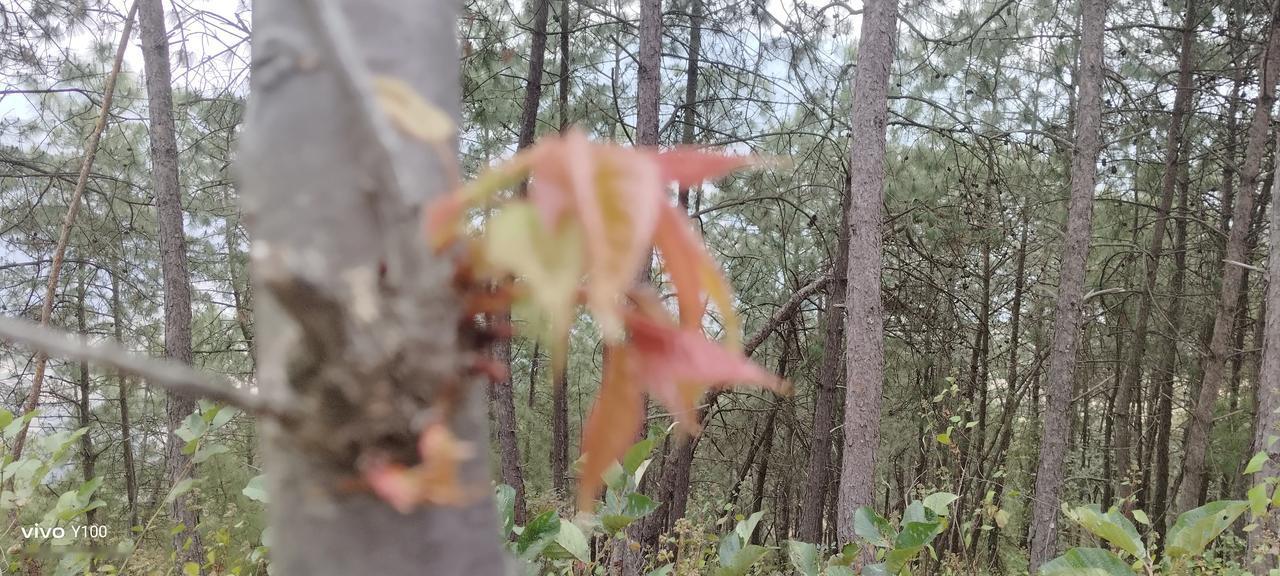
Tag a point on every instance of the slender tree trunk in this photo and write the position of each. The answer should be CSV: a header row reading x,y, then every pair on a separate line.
x,y
1067,313
690,110
818,469
1267,411
1131,370
560,435
864,314
564,66
41,360
1215,364
649,75
122,385
173,265
88,458
317,157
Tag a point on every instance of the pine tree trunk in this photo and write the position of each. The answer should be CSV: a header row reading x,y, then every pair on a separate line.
x,y
122,385
88,458
173,266
314,159
1215,364
864,314
818,469
1131,370
1267,411
1067,313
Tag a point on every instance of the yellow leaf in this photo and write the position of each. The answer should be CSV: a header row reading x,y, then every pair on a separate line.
x,y
410,112
549,263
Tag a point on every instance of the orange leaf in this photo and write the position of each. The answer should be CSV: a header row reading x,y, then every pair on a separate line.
x,y
435,480
678,365
694,272
612,426
688,166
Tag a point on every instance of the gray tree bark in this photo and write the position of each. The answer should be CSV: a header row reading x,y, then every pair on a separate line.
x,y
864,313
1215,363
357,330
173,265
1131,377
1067,318
1267,412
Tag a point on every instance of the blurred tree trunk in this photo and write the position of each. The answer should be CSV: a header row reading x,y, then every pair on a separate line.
x,y
1067,313
315,158
1267,411
88,458
122,385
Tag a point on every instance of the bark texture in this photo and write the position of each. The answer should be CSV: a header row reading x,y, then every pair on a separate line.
x,y
1131,376
1067,317
1267,412
1215,368
173,265
357,329
864,314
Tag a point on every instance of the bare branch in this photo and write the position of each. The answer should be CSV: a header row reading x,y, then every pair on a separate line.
x,y
171,376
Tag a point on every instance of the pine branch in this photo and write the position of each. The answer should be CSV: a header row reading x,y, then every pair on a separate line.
x,y
172,376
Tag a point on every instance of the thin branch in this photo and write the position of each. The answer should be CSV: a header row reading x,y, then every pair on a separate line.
x,y
173,377
783,314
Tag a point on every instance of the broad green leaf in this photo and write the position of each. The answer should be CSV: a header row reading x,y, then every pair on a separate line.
x,y
879,569
538,534
873,528
636,455
746,527
5,418
505,498
743,560
839,571
570,542
730,546
191,569
256,488
1112,527
209,451
1258,500
1255,464
939,502
635,507
1086,562
179,489
804,557
1195,529
1141,517
664,570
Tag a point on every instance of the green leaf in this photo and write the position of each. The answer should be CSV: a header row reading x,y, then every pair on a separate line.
x,y
636,506
743,560
664,570
1195,529
256,488
1258,500
1086,562
1255,464
804,557
637,454
179,489
840,571
873,528
538,534
730,546
5,418
1141,517
1112,527
939,502
505,497
746,527
191,569
875,570
209,451
570,542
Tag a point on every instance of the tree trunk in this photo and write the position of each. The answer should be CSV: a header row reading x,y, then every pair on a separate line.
x,y
864,314
1067,313
88,458
1267,411
41,359
173,265
316,156
649,74
1215,364
1131,377
560,434
122,384
818,469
